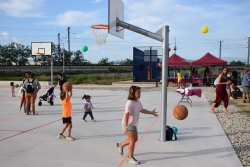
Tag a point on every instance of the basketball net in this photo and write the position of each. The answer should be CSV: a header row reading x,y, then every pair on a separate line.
x,y
100,32
39,55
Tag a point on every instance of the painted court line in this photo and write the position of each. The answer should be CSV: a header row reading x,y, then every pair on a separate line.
x,y
137,143
12,131
28,130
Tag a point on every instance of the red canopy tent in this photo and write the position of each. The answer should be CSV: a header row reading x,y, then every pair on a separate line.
x,y
176,60
209,59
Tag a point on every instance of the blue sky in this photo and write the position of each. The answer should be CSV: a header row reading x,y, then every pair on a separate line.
x,y
26,21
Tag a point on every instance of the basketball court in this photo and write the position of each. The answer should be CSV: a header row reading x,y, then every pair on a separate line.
x,y
32,140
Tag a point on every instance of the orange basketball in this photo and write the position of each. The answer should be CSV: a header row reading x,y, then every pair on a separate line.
x,y
180,112
229,82
67,86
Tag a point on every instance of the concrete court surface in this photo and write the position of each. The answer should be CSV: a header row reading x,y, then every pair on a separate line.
x,y
32,140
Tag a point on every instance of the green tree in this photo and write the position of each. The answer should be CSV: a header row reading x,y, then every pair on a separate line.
x,y
9,54
128,62
24,53
104,61
78,58
236,63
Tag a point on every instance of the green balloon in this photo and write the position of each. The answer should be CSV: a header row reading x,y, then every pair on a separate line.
x,y
84,48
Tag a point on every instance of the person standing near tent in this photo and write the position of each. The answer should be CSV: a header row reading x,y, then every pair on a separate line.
x,y
235,76
205,76
242,74
179,77
221,93
245,86
208,76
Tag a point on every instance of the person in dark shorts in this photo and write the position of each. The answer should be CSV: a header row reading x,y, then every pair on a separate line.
x,y
246,86
66,115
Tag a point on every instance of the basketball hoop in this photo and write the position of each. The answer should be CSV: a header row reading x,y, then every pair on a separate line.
x,y
100,32
39,55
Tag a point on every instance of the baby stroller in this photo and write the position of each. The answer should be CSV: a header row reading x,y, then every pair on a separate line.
x,y
49,97
236,93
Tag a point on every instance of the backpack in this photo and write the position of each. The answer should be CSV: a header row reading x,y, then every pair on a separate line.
x,y
170,135
216,82
21,91
29,87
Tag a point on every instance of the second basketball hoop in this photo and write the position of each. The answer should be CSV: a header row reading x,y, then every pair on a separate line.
x,y
100,32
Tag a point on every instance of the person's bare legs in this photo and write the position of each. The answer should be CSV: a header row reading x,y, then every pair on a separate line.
x,y
225,110
228,93
212,108
64,128
69,129
247,96
27,98
125,143
133,137
243,96
32,102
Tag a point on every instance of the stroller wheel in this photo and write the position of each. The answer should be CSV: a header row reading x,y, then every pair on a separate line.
x,y
51,103
39,103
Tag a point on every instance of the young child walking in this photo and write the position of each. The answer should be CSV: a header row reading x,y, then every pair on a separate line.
x,y
130,121
12,85
66,115
87,108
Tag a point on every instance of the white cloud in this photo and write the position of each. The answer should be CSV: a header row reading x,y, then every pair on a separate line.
x,y
75,18
97,1
21,8
4,35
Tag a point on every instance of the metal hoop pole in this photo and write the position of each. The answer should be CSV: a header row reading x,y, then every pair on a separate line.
x,y
165,55
138,30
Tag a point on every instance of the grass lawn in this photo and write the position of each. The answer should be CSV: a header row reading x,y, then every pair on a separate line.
x,y
243,106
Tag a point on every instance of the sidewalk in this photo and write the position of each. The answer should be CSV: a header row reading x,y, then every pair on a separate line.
x,y
32,140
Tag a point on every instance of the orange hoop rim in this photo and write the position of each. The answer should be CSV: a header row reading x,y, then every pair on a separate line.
x,y
39,54
100,26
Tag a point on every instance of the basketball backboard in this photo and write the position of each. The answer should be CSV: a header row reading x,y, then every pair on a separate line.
x,y
116,10
43,48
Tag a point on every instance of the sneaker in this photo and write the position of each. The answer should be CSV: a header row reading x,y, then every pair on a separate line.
x,y
93,120
133,161
70,138
120,150
231,98
84,120
61,136
244,101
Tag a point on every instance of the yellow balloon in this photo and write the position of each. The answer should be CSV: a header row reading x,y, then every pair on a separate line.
x,y
204,29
